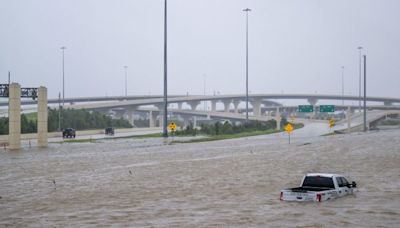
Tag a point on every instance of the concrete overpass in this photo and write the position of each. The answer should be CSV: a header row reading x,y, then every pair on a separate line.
x,y
256,100
226,99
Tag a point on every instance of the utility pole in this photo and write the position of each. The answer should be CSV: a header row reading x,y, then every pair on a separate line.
x,y
365,93
9,79
247,10
204,91
126,81
63,78
59,111
359,81
342,85
165,132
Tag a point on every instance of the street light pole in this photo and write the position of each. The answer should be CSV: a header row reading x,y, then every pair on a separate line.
x,y
247,10
365,93
126,81
359,81
59,111
63,72
204,91
165,132
342,85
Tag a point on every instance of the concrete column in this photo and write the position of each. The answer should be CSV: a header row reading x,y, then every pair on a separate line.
x,y
131,117
160,107
14,115
278,118
387,103
180,105
194,121
348,116
152,119
256,107
160,120
313,102
42,117
213,106
227,104
185,121
236,105
193,104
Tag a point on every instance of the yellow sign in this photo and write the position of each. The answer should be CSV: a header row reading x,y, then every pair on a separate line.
x,y
172,126
289,128
331,123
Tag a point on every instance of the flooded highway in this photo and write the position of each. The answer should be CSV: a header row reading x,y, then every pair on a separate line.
x,y
156,183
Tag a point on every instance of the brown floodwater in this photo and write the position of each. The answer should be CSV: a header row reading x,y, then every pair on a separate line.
x,y
153,183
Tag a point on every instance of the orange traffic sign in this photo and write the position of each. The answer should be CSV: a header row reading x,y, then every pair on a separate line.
x,y
172,126
289,128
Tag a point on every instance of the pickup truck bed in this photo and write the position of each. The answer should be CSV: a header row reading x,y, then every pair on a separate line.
x,y
311,189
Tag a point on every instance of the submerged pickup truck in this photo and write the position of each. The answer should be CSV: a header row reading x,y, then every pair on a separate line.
x,y
319,187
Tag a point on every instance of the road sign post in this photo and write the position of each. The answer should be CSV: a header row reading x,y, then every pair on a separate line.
x,y
289,129
331,123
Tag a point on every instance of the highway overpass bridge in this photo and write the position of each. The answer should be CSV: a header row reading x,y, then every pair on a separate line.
x,y
260,104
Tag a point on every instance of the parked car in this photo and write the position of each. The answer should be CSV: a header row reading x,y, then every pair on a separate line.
x,y
69,133
319,187
109,131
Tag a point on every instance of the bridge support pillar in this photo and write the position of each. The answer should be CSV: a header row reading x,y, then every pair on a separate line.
x,y
213,106
236,105
313,102
152,119
387,103
160,107
185,121
348,116
131,117
194,121
227,104
180,105
160,120
193,104
42,117
14,116
278,118
256,107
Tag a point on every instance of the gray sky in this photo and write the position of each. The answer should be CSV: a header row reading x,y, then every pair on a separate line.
x,y
295,46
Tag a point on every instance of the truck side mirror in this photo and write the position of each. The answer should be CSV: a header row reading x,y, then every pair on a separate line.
x,y
354,184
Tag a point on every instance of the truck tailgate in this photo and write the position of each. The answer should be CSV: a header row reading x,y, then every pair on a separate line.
x,y
298,196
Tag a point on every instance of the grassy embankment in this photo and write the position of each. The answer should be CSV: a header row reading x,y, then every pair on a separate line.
x,y
208,138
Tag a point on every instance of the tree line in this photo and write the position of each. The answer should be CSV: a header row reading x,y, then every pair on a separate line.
x,y
227,128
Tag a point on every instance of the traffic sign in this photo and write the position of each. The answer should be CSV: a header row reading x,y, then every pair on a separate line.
x,y
172,126
289,128
306,108
327,108
331,123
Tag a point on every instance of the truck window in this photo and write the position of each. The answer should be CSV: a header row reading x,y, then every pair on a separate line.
x,y
318,182
339,181
344,181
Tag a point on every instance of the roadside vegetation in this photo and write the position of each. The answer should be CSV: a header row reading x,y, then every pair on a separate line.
x,y
78,119
227,130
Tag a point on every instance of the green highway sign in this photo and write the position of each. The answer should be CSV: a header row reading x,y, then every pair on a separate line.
x,y
327,108
306,108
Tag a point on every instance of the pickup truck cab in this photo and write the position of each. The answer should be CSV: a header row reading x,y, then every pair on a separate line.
x,y
319,187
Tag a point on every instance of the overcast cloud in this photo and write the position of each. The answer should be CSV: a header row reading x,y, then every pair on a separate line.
x,y
295,46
